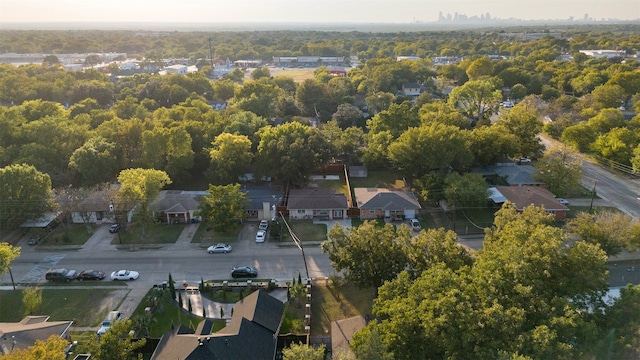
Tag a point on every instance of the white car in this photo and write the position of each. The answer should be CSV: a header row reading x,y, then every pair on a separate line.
x,y
264,225
562,201
524,160
124,275
219,248
415,224
260,236
108,321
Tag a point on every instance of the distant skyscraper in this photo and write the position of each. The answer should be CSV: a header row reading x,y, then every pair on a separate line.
x,y
586,17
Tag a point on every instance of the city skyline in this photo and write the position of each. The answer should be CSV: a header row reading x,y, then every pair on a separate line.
x,y
306,11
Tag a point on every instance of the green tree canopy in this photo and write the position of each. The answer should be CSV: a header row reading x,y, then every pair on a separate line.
x,y
230,156
224,206
367,255
139,187
24,194
561,169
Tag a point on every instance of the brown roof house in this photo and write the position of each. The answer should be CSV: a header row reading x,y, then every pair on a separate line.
x,y
251,334
100,207
342,333
21,335
379,203
523,196
317,203
177,206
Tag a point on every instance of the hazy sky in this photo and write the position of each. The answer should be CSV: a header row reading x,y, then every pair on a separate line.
x,y
307,11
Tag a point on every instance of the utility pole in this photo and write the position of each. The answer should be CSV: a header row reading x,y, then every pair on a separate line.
x,y
299,244
211,53
593,194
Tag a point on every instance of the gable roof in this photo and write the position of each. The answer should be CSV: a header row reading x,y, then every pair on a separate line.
x,y
342,333
517,174
252,334
523,196
28,330
385,199
259,195
317,198
177,201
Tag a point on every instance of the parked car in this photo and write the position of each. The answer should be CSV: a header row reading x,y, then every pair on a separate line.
x,y
91,275
415,224
260,236
524,160
562,201
507,104
112,317
114,228
243,271
60,275
124,275
264,225
34,240
219,248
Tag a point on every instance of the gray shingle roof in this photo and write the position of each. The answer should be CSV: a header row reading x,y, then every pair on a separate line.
x,y
316,199
385,199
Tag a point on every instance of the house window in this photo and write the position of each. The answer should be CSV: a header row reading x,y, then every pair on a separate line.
x,y
99,215
300,211
372,211
337,213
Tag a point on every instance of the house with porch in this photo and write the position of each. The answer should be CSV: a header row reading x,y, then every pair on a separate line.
x,y
177,206
381,203
523,196
317,203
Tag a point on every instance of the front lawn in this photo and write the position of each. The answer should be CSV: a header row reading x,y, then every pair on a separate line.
x,y
158,233
307,231
72,234
207,235
85,307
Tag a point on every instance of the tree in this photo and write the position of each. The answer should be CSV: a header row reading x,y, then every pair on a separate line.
x,y
412,154
51,349
299,351
476,99
481,67
609,96
50,60
347,115
291,151
623,322
379,101
24,194
230,156
435,246
523,297
561,169
116,343
96,161
224,206
613,231
367,255
525,125
140,187
7,254
396,119
308,95
368,344
580,136
260,72
490,144
467,190
31,300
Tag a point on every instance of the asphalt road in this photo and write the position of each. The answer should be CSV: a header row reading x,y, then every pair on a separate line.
x,y
185,261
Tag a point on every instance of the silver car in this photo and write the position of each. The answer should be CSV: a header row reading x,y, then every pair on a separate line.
x,y
219,248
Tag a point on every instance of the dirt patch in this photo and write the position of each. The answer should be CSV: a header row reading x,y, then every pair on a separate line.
x,y
112,302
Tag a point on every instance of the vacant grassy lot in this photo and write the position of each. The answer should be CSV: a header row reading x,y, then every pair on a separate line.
x,y
329,304
298,75
85,307
165,314
159,233
206,234
307,231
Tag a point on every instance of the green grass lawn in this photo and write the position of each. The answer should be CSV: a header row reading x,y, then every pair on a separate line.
x,y
166,314
158,233
207,235
377,178
84,307
72,234
307,231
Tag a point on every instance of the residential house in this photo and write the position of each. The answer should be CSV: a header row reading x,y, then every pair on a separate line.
x,y
517,175
177,206
176,69
523,196
412,90
23,334
380,203
262,202
100,207
316,203
342,332
251,334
